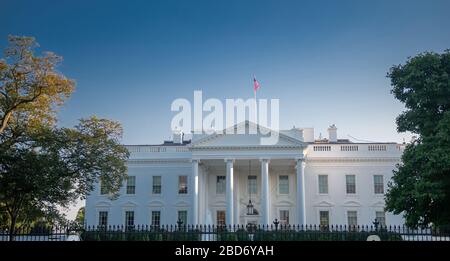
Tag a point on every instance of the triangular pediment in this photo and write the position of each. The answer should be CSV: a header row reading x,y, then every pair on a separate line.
x,y
246,134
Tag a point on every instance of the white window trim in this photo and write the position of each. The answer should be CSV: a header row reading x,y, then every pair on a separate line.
x,y
215,215
318,185
381,195
124,210
97,214
356,186
330,214
188,183
162,190
278,216
151,209
386,216
215,185
126,185
187,215
247,185
357,209
289,185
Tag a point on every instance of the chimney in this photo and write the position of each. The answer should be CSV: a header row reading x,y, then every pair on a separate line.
x,y
178,137
332,133
308,134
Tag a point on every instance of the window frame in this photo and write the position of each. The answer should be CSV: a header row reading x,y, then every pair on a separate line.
x,y
347,185
352,226
384,217
152,221
223,185
187,217
280,216
129,187
100,212
249,188
319,185
287,185
224,212
180,189
160,185
127,225
375,191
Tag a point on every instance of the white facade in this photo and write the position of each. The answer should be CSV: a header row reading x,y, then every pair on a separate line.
x,y
299,180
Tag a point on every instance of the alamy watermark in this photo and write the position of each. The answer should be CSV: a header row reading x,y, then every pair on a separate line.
x,y
219,118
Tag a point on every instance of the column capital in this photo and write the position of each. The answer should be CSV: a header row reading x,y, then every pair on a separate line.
x,y
195,160
228,160
264,160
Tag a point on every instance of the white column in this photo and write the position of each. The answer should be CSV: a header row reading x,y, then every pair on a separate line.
x,y
229,193
195,196
236,199
301,214
265,200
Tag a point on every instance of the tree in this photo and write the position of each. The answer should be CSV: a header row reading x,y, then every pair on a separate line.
x,y
43,167
30,84
80,217
57,166
420,187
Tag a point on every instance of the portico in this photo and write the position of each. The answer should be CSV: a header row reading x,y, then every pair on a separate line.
x,y
229,185
250,173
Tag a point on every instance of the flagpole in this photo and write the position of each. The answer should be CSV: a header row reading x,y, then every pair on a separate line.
x,y
256,109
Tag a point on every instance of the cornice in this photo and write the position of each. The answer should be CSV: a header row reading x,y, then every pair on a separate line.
x,y
352,159
243,147
156,161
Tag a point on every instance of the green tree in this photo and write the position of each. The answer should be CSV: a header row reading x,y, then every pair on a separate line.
x,y
43,167
80,217
420,188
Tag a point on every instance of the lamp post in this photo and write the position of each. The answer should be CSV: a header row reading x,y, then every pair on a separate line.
x,y
276,223
376,223
250,208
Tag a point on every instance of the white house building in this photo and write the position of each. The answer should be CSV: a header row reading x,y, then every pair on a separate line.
x,y
211,179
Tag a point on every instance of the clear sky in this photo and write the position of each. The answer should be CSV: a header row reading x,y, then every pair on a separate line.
x,y
325,60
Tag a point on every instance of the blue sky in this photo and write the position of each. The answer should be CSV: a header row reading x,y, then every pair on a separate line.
x,y
325,60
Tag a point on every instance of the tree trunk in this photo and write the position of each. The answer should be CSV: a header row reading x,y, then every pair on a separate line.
x,y
12,228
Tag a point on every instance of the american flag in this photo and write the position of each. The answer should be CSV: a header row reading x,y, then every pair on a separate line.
x,y
255,84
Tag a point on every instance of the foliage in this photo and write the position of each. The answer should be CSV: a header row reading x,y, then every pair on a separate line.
x,y
420,188
43,167
30,85
79,219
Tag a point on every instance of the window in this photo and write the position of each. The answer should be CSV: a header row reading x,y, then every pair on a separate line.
x,y
381,218
182,185
220,217
103,188
156,218
352,219
182,215
220,185
284,217
103,218
323,184
129,219
252,187
283,183
156,185
324,218
131,185
378,184
350,184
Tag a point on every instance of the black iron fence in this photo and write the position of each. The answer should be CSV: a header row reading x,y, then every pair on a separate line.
x,y
275,232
